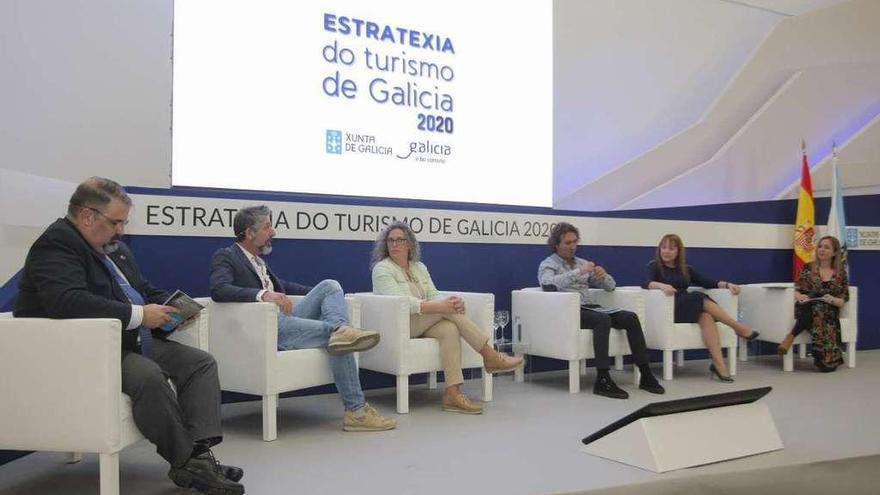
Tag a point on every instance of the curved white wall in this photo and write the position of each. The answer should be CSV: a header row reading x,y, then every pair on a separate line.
x,y
857,161
813,77
761,159
629,74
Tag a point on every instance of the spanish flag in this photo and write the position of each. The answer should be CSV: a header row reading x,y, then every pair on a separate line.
x,y
805,226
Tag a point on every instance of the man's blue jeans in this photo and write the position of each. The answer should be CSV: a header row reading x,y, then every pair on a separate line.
x,y
314,318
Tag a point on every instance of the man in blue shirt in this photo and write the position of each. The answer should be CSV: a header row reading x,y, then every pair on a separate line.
x,y
565,272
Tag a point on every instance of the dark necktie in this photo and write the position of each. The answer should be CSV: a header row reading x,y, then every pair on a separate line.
x,y
134,297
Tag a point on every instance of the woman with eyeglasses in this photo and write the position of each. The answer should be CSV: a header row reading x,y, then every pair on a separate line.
x,y
669,272
821,290
398,271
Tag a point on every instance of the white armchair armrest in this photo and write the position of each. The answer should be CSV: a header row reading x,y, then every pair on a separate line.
x,y
549,320
62,389
244,335
196,334
659,318
388,315
479,307
851,308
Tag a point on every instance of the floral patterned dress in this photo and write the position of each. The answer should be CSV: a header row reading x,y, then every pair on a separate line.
x,y
825,322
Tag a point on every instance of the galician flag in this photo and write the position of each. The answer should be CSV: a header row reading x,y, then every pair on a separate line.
x,y
837,217
805,225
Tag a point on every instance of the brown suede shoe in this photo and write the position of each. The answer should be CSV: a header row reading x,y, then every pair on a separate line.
x,y
460,404
349,339
366,419
500,362
785,345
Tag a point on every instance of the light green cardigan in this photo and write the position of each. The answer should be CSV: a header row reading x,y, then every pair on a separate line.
x,y
389,279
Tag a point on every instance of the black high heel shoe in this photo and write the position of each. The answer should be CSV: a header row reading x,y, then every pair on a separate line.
x,y
714,371
752,336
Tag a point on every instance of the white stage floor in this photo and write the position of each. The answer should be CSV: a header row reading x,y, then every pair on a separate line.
x,y
527,442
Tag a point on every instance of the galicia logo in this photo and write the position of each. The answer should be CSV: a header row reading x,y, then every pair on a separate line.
x,y
427,151
334,142
852,237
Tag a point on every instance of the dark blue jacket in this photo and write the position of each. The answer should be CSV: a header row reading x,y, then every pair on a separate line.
x,y
233,278
65,278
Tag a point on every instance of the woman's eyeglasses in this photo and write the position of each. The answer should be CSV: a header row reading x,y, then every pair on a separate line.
x,y
397,241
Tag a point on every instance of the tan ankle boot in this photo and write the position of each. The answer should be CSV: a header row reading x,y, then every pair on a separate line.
x,y
785,345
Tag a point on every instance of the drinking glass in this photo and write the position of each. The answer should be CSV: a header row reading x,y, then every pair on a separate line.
x,y
502,318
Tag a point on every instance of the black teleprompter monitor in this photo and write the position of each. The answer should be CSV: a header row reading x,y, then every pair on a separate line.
x,y
682,405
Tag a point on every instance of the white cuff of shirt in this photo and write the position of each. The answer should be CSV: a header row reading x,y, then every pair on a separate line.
x,y
260,295
137,317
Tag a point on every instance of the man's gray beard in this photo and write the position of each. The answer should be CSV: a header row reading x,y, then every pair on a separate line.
x,y
111,247
267,249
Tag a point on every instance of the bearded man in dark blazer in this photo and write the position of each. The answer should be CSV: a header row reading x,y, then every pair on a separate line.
x,y
79,268
320,319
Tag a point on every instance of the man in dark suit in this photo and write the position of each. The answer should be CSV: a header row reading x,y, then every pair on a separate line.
x,y
78,268
239,274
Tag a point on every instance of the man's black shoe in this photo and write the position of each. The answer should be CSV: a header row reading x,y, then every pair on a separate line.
x,y
650,384
606,386
232,473
204,474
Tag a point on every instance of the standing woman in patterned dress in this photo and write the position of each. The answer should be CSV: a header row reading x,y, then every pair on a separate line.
x,y
821,290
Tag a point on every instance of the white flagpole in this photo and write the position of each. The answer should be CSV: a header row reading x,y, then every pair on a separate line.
x,y
836,216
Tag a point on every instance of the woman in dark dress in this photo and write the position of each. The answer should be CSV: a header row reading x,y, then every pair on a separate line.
x,y
821,290
669,272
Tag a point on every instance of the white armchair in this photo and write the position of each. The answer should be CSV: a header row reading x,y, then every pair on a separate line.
x,y
399,355
770,308
549,325
662,333
66,394
244,341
